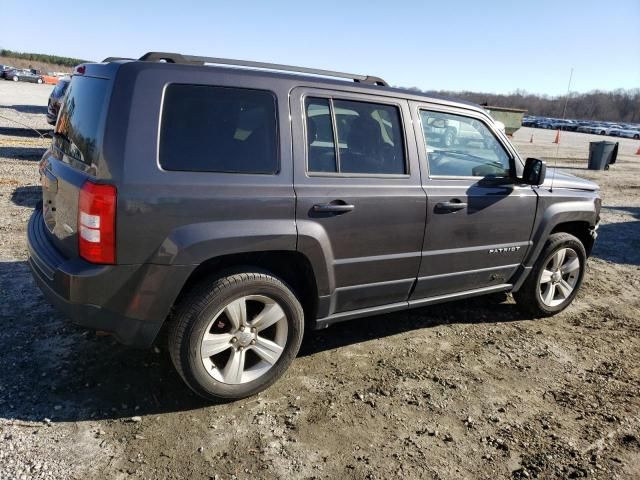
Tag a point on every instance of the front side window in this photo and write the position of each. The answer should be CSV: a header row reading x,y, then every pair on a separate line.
x,y
369,137
218,129
462,147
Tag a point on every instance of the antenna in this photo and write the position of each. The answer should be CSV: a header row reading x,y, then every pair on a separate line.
x,y
564,112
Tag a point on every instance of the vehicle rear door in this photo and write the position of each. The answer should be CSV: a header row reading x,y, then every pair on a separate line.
x,y
359,196
479,216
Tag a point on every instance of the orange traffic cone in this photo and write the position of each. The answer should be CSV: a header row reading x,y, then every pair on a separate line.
x,y
531,139
557,140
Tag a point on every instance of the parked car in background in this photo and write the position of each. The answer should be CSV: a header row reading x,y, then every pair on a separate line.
x,y
607,129
4,69
563,125
55,99
625,132
23,76
592,128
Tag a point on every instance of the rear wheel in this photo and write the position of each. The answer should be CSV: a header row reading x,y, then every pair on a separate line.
x,y
234,336
556,277
15,78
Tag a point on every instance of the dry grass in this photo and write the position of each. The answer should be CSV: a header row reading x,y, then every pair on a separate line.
x,y
42,66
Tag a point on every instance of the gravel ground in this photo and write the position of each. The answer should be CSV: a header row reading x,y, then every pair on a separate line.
x,y
473,389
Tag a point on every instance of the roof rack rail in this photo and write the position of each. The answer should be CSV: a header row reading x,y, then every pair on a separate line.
x,y
196,60
114,59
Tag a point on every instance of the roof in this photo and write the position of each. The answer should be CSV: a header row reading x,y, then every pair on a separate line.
x,y
368,82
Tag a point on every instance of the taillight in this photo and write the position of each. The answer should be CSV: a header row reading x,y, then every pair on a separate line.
x,y
97,222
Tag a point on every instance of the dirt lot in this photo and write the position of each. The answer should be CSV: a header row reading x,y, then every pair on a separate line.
x,y
464,390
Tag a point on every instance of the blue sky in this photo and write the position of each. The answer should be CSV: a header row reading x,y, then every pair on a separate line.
x,y
491,46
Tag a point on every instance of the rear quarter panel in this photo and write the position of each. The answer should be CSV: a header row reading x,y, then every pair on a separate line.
x,y
185,218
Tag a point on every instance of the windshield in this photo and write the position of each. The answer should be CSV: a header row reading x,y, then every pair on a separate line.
x,y
79,128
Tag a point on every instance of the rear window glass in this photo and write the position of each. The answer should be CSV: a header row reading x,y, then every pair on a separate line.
x,y
218,129
80,125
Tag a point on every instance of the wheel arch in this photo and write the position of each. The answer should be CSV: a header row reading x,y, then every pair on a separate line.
x,y
579,229
292,267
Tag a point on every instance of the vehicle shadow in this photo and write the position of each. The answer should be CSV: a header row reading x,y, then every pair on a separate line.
x,y
25,132
619,242
63,373
27,108
27,196
31,154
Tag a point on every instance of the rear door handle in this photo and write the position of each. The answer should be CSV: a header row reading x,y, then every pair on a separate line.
x,y
332,207
450,206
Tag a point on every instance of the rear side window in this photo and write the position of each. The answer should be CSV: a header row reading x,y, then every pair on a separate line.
x,y
218,129
79,128
369,137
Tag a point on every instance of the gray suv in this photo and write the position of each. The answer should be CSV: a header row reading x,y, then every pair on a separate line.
x,y
239,204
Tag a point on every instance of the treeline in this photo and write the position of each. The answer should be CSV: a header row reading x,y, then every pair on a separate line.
x,y
42,57
615,106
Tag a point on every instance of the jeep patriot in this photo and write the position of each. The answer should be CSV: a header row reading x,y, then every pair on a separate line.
x,y
239,204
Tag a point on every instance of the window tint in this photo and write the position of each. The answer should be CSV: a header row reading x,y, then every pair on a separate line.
x,y
218,129
321,153
462,146
369,137
79,128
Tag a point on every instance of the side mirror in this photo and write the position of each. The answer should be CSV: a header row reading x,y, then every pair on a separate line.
x,y
535,171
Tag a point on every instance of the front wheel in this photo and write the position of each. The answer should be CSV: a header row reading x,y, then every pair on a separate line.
x,y
234,336
39,80
15,78
556,277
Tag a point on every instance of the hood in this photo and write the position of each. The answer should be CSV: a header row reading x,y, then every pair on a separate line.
x,y
566,180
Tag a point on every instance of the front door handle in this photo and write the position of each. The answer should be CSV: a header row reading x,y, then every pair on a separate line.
x,y
450,206
333,207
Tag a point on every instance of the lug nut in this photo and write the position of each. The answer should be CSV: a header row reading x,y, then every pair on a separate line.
x,y
253,342
234,340
242,328
253,330
240,349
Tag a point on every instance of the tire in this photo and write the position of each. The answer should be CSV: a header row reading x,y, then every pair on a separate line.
x,y
15,78
535,296
40,80
213,307
636,137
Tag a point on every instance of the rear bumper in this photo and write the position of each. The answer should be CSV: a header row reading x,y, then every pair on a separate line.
x,y
129,301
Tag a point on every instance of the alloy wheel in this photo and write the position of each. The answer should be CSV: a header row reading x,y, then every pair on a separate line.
x,y
559,277
244,339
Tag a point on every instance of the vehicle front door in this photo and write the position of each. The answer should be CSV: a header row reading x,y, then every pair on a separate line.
x,y
479,216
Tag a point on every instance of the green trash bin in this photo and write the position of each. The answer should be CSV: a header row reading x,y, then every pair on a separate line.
x,y
602,154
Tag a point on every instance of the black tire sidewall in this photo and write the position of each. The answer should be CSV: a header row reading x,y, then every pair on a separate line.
x,y
193,369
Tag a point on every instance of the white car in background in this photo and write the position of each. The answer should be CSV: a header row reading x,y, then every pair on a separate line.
x,y
624,132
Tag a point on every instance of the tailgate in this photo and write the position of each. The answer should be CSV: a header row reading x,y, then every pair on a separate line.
x,y
61,185
73,157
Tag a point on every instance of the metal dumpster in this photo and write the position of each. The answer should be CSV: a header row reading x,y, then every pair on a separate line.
x,y
602,154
